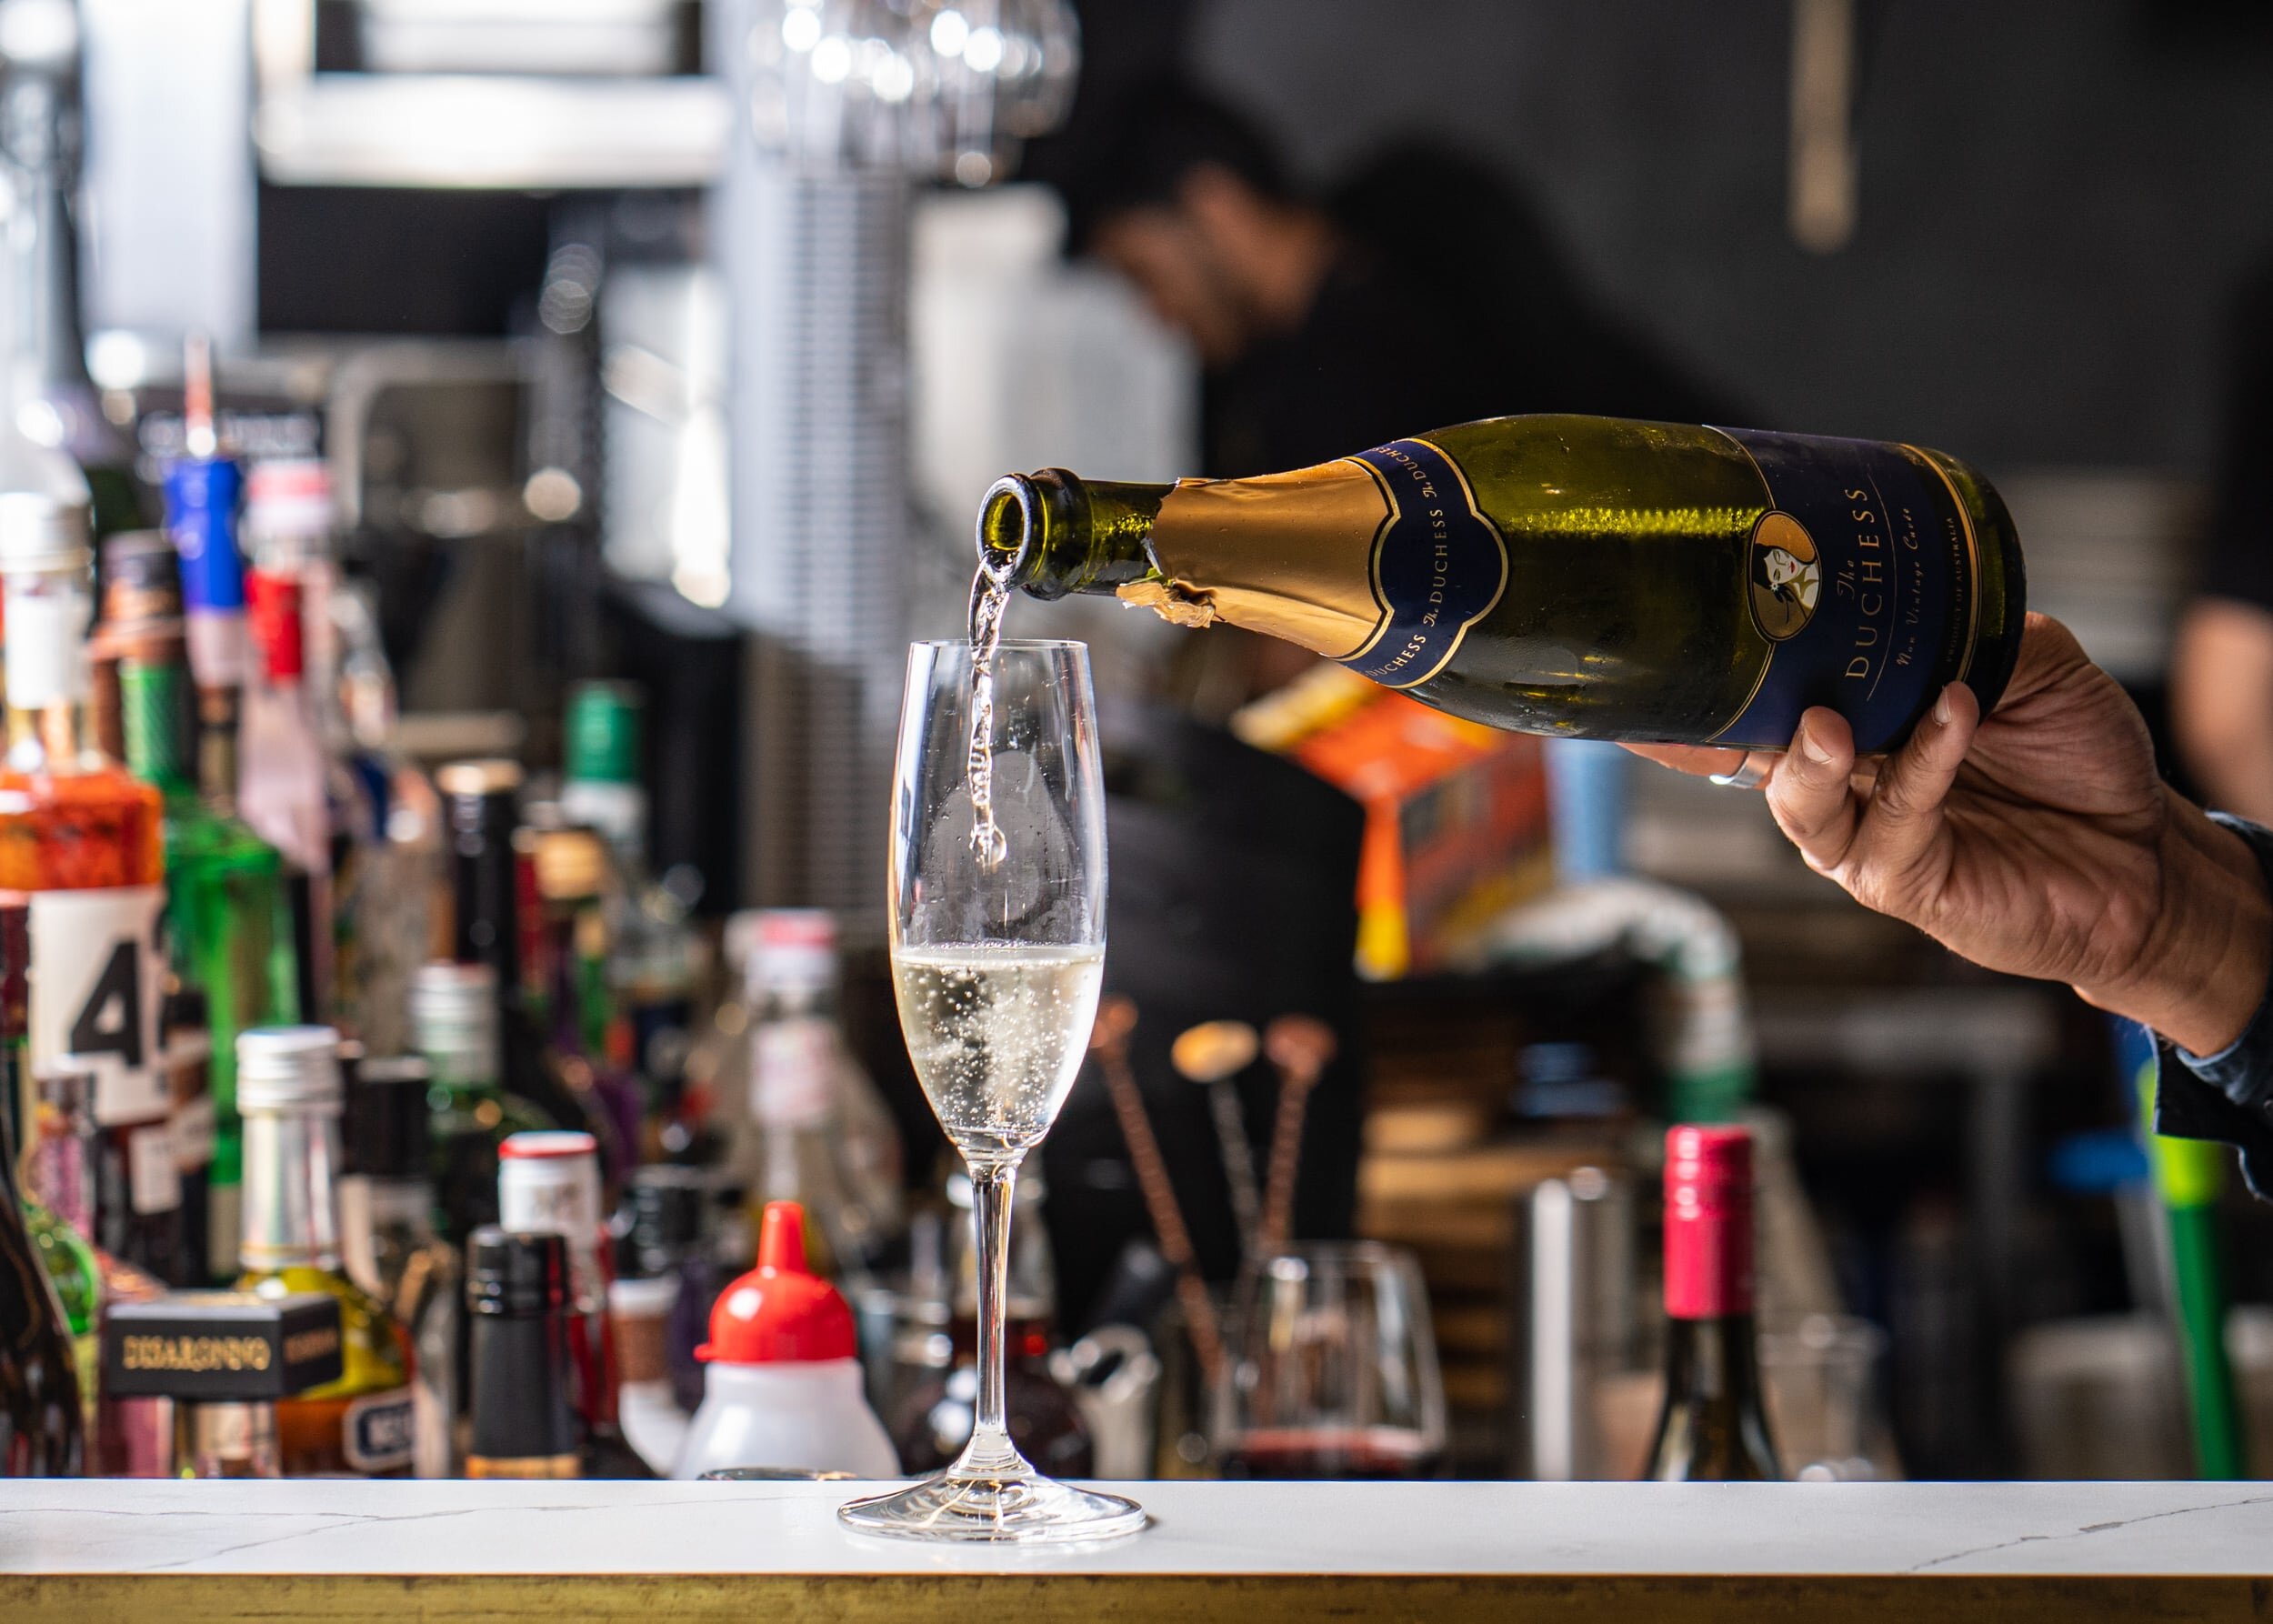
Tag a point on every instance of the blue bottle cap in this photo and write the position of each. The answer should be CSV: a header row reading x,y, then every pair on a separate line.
x,y
202,498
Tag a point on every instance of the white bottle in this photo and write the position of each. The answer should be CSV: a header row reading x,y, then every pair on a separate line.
x,y
782,1378
653,1423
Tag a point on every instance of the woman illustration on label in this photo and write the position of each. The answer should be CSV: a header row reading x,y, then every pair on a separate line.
x,y
1786,576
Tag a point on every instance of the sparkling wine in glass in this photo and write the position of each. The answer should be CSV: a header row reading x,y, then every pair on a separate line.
x,y
997,955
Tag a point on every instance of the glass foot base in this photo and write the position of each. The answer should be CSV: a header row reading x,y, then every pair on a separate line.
x,y
1004,1510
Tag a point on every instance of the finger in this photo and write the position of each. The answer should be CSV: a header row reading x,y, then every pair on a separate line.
x,y
1700,761
1905,811
1809,795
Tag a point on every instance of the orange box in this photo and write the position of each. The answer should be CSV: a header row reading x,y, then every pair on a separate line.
x,y
1456,813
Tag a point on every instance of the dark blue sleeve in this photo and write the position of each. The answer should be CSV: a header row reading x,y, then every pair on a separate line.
x,y
2229,1096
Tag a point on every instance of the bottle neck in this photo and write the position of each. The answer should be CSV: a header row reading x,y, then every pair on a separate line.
x,y
1713,1361
464,1061
292,1163
158,717
1053,533
48,681
406,1204
60,1170
38,128
484,889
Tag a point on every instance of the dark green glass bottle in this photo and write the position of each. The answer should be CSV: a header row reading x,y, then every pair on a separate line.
x,y
1585,576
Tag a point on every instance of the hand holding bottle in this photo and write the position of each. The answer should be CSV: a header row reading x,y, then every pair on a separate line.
x,y
2039,841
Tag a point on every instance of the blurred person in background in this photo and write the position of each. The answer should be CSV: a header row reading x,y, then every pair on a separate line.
x,y
2221,675
1423,292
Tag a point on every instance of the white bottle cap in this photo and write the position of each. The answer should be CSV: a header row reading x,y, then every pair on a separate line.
x,y
285,1068
550,1183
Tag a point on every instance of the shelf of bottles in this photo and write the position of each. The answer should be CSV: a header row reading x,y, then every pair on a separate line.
x,y
356,1120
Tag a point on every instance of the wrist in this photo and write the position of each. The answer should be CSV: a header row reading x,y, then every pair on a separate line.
x,y
2202,970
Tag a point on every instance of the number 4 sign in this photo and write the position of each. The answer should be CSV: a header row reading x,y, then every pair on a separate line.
x,y
95,982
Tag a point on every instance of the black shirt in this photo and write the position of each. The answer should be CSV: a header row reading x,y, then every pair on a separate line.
x,y
1447,302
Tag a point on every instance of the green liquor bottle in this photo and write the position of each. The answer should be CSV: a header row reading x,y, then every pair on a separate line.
x,y
1584,577
227,923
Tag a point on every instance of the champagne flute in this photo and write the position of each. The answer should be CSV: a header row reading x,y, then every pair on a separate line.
x,y
997,956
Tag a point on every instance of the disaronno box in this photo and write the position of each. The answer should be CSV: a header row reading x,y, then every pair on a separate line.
x,y
221,1345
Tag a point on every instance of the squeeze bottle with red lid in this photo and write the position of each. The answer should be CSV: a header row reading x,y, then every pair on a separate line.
x,y
782,1376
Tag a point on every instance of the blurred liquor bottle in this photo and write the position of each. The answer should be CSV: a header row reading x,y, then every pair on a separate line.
x,y
203,490
74,1173
290,1093
224,1411
66,1254
454,1017
294,793
85,840
806,1124
42,143
47,1349
388,1240
517,1290
936,1418
381,813
228,929
1713,1426
185,1040
648,1410
568,973
494,923
670,1240
550,1183
649,944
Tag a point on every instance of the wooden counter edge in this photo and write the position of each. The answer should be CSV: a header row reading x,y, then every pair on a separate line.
x,y
1089,1598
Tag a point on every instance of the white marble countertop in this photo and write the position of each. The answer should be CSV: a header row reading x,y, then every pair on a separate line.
x,y
116,1529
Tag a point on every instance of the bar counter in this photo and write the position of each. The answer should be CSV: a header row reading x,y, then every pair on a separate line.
x,y
173,1553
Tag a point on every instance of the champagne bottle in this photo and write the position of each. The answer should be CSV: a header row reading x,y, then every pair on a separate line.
x,y
1582,577
1713,1428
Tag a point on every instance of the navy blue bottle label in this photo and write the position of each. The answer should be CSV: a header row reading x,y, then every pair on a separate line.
x,y
1439,564
1863,576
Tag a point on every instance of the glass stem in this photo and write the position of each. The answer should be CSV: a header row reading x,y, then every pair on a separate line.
x,y
991,1453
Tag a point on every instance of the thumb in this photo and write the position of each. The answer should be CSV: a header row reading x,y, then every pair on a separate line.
x,y
1905,815
1811,796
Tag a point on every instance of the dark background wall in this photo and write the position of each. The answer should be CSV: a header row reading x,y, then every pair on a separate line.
x,y
2057,196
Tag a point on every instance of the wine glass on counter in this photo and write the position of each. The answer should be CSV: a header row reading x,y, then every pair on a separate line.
x,y
1333,1369
998,930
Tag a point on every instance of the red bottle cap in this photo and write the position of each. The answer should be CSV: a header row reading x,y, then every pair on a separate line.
x,y
779,1312
1708,1222
273,607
